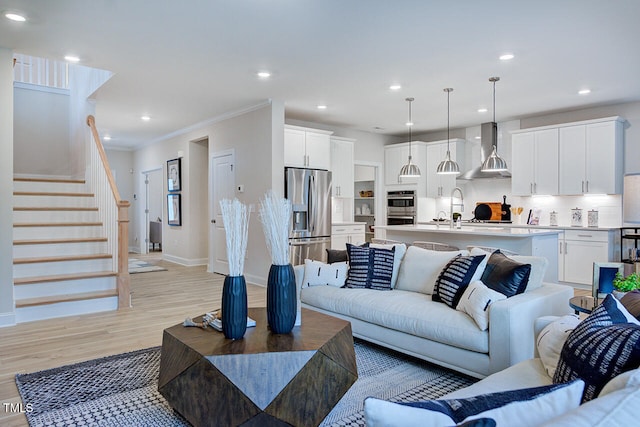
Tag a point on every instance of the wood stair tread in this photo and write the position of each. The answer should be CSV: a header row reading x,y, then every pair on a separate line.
x,y
60,241
51,193
63,277
54,299
60,258
55,180
54,208
56,224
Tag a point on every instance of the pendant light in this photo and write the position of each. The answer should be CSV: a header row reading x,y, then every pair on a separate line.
x,y
494,163
448,166
409,170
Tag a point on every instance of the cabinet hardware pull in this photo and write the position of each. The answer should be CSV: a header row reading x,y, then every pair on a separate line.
x,y
583,186
585,235
587,186
531,188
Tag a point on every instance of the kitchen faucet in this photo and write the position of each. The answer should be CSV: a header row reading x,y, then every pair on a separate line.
x,y
461,204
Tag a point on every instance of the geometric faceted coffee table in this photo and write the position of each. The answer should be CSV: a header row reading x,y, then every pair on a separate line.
x,y
263,379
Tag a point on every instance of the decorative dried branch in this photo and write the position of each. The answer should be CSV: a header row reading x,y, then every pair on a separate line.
x,y
275,215
235,216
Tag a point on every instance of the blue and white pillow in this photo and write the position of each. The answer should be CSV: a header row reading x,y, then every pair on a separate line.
x,y
317,273
522,408
454,279
369,268
602,346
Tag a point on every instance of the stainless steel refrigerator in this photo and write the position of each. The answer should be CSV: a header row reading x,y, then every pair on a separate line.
x,y
310,193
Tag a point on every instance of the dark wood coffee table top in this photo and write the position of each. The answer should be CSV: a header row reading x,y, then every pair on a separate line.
x,y
262,379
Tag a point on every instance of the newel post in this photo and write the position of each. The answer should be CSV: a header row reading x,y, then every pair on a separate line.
x,y
124,288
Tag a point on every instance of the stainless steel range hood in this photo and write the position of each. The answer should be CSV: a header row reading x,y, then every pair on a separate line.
x,y
488,138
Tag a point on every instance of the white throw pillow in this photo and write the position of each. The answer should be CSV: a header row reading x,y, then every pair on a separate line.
x,y
420,268
551,340
400,250
318,273
617,409
522,408
476,302
626,379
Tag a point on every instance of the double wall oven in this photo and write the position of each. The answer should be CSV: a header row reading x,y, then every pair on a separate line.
x,y
401,207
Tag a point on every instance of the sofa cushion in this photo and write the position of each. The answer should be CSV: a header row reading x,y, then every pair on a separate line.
x,y
538,267
410,312
318,273
602,346
454,279
524,407
420,268
369,267
399,250
505,275
476,302
626,379
552,338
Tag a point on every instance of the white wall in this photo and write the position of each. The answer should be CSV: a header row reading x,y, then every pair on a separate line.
x,y
121,163
6,188
41,118
257,137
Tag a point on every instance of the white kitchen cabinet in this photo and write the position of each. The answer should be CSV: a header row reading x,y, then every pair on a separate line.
x,y
534,163
307,148
341,234
578,250
342,167
397,155
590,157
441,185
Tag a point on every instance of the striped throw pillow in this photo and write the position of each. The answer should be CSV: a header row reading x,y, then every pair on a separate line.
x,y
454,279
369,268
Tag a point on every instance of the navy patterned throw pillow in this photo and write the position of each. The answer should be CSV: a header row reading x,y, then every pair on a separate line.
x,y
602,346
369,268
455,278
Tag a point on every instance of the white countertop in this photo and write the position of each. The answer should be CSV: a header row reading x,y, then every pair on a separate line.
x,y
494,230
349,223
530,227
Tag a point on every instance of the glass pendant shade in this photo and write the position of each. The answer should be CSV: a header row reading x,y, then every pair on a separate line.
x,y
494,163
448,166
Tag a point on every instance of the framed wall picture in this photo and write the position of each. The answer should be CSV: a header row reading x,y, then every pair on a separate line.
x,y
174,209
603,275
174,172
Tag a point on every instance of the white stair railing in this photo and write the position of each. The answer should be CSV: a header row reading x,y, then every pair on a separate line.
x,y
114,212
40,71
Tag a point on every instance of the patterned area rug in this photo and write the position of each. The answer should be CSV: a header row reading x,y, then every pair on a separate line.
x,y
138,266
122,390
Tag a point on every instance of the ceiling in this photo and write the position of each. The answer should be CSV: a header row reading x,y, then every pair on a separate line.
x,y
183,63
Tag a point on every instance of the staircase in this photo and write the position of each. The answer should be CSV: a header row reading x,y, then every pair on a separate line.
x,y
61,260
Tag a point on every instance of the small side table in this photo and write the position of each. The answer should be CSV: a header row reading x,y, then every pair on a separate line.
x,y
584,304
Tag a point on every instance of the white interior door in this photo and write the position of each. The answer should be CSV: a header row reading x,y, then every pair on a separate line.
x,y
222,186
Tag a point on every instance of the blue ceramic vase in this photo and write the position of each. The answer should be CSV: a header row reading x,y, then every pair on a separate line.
x,y
281,299
234,307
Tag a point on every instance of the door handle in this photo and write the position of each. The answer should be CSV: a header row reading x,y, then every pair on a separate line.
x,y
213,221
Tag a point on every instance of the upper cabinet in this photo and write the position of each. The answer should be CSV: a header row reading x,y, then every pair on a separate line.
x,y
307,148
590,156
569,159
534,163
442,185
342,166
397,155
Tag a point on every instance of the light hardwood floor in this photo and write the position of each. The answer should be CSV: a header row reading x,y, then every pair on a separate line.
x,y
160,299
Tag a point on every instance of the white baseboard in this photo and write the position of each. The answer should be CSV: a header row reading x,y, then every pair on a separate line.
x,y
7,319
185,261
134,249
256,280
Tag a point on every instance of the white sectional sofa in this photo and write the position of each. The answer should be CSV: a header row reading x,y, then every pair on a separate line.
x,y
407,320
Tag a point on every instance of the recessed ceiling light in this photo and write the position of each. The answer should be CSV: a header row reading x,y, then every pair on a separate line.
x,y
409,123
478,137
71,58
15,17
322,107
106,138
145,118
395,87
584,92
264,74
482,110
506,56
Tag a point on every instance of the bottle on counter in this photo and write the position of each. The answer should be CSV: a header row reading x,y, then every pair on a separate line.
x,y
459,222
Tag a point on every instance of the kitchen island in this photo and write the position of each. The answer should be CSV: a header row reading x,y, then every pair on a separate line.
x,y
523,241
